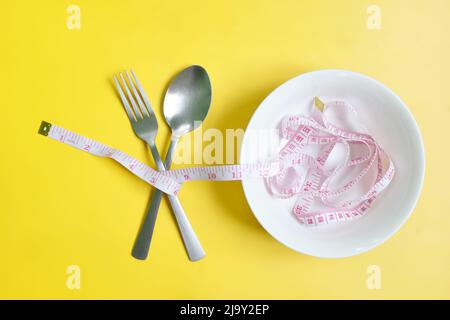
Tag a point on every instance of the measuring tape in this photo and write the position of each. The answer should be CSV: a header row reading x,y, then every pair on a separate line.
x,y
295,173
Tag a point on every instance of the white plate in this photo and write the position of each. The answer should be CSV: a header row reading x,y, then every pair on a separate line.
x,y
388,120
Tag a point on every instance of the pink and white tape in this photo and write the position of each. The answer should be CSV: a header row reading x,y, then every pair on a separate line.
x,y
301,169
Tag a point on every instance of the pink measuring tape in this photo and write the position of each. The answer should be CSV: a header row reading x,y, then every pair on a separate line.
x,y
301,169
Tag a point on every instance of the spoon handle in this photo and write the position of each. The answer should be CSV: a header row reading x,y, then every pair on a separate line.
x,y
191,242
142,243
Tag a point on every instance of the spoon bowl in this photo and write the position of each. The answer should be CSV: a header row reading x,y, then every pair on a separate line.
x,y
187,100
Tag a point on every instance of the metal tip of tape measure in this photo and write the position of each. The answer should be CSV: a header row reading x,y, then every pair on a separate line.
x,y
44,129
319,104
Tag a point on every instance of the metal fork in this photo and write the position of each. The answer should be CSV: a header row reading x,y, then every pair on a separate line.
x,y
145,126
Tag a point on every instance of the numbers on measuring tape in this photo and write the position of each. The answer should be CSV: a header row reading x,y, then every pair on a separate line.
x,y
237,175
212,176
314,184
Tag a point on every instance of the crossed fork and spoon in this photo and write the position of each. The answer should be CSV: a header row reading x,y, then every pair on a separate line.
x,y
186,104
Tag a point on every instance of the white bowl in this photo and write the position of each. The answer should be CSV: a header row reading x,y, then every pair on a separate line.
x,y
388,120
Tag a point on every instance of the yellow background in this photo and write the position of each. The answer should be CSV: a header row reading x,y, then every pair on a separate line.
x,y
62,207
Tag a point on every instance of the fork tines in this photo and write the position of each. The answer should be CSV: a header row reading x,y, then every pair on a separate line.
x,y
140,105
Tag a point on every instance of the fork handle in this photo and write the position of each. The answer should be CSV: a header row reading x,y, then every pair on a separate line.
x,y
144,237
191,242
142,243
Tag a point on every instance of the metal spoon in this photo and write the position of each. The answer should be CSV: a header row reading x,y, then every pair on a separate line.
x,y
186,105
